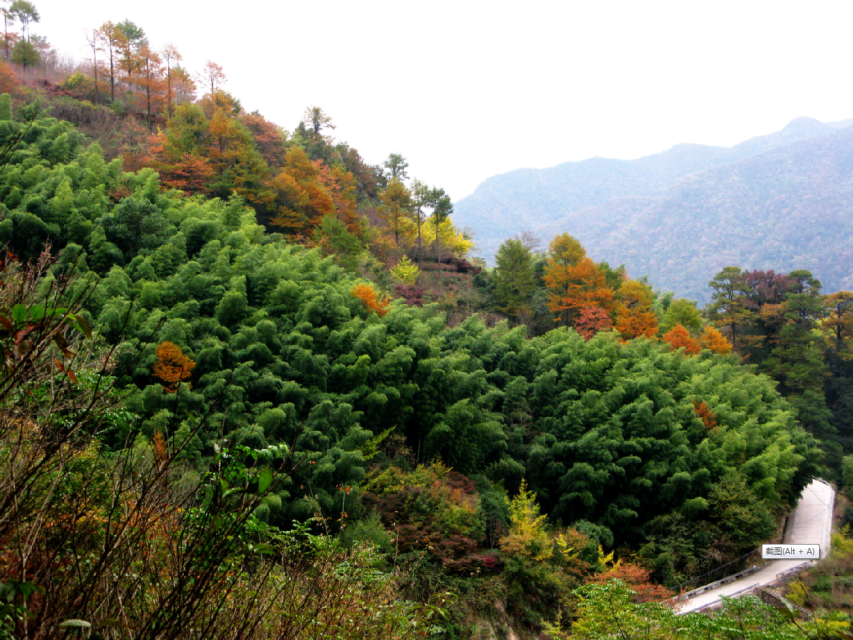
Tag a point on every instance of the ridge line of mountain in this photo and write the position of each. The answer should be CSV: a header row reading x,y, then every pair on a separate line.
x,y
792,187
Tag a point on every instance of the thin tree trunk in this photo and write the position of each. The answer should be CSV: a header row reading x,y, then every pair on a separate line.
x,y
420,248
169,88
112,76
438,248
94,44
148,101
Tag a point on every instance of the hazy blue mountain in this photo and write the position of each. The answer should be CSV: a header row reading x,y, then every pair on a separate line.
x,y
777,201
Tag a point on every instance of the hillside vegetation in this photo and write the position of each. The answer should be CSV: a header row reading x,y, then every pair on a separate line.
x,y
252,388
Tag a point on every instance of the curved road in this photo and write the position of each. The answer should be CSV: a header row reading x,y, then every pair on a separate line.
x,y
811,523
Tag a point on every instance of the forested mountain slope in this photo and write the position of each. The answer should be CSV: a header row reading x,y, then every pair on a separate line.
x,y
286,351
610,203
253,389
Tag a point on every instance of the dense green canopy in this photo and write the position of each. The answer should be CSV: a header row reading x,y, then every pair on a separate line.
x,y
604,432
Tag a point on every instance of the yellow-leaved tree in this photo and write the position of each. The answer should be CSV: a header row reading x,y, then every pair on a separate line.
x,y
715,341
448,236
527,536
405,271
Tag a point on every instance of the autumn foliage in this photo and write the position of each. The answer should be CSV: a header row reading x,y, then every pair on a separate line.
x,y
301,199
580,285
371,300
527,535
636,317
715,341
679,337
574,281
592,320
172,366
637,579
186,172
158,446
8,83
705,414
838,324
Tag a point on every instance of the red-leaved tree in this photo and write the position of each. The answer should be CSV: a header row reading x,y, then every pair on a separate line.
x,y
592,320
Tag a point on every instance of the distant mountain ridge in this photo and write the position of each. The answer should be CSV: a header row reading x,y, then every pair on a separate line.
x,y
775,194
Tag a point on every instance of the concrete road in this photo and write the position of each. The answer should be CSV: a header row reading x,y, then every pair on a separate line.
x,y
811,523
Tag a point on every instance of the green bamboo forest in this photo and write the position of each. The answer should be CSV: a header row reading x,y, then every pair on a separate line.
x,y
254,387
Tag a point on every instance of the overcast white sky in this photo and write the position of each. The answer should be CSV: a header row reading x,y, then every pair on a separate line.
x,y
465,90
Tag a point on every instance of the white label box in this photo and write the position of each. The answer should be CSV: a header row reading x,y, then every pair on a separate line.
x,y
790,551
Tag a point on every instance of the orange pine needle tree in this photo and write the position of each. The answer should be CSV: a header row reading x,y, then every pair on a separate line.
x,y
341,187
636,317
371,300
158,444
574,281
301,200
577,286
172,366
705,414
679,337
638,580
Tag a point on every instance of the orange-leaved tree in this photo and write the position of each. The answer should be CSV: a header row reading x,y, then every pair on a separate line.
x,y
179,153
637,579
301,200
715,341
269,138
704,413
636,317
564,254
158,445
371,300
172,366
679,337
341,187
149,80
576,286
